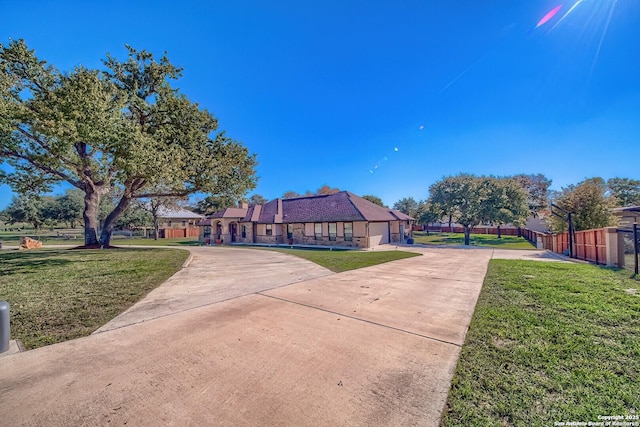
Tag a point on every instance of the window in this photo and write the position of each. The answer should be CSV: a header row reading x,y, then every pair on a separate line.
x,y
348,231
333,231
318,230
269,229
207,231
244,231
289,231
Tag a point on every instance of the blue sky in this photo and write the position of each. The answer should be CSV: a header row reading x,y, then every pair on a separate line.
x,y
323,92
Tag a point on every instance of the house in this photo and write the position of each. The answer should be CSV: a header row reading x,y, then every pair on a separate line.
x,y
177,222
627,216
178,218
340,219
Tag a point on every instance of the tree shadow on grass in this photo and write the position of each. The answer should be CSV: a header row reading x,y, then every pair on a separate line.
x,y
19,262
190,243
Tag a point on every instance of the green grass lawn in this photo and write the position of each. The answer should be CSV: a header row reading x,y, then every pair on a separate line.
x,y
488,240
347,260
549,342
76,237
57,295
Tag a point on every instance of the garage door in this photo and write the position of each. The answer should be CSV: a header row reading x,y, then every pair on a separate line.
x,y
378,233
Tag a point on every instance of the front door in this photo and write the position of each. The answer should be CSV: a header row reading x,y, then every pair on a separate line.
x,y
233,229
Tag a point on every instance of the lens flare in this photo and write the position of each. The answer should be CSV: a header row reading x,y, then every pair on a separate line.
x,y
548,16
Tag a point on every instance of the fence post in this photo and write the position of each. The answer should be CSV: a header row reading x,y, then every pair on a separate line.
x,y
571,237
611,237
4,326
635,248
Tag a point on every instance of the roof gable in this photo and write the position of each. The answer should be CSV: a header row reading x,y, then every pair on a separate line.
x,y
230,213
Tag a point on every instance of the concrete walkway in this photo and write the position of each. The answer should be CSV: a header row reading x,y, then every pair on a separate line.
x,y
248,337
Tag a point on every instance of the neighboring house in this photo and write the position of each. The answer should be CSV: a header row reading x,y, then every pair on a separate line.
x,y
178,218
627,216
177,222
340,219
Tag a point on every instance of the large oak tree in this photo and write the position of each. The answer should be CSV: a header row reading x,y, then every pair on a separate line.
x,y
588,203
470,200
124,128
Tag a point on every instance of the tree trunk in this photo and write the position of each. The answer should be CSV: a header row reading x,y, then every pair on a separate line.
x,y
107,229
467,235
90,215
499,233
156,228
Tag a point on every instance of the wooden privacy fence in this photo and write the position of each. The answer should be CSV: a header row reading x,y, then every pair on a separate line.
x,y
508,231
173,233
588,245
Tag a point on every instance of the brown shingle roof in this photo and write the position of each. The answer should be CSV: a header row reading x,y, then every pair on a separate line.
x,y
341,206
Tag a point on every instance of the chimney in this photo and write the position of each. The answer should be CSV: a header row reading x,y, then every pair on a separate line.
x,y
242,204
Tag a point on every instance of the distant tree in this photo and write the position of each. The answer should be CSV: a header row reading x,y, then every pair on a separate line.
x,y
123,127
588,203
70,207
426,214
507,202
374,199
537,187
257,199
291,195
27,208
213,204
624,191
4,216
325,189
407,206
470,200
136,216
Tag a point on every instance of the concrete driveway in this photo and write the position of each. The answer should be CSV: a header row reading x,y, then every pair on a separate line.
x,y
247,337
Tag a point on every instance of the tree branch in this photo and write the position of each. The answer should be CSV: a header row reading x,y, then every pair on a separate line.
x,y
46,147
43,167
176,194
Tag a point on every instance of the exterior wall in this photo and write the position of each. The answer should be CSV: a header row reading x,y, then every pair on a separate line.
x,y
394,232
360,237
628,219
248,237
396,235
275,237
304,234
223,234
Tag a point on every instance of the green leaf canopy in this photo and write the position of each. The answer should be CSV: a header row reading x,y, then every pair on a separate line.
x,y
122,128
